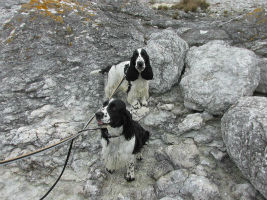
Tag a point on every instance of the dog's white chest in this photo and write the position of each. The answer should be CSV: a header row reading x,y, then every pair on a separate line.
x,y
139,86
117,151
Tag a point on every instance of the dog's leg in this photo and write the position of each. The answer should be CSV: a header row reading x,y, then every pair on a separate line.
x,y
144,101
110,164
132,99
109,160
130,169
145,95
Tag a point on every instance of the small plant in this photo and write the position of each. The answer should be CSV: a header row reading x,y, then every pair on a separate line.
x,y
163,7
175,15
191,5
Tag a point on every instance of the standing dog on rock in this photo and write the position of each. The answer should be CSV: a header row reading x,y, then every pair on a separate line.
x,y
137,71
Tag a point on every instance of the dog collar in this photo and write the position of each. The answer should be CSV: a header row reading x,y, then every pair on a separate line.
x,y
113,136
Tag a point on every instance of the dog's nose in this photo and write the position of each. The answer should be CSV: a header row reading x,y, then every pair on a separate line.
x,y
99,115
140,64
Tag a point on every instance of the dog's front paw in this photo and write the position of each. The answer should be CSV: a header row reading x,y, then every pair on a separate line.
x,y
128,177
139,157
110,170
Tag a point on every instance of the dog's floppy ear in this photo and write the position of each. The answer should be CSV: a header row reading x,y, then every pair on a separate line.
x,y
132,74
127,125
147,73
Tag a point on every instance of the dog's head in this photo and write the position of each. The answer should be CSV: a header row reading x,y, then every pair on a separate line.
x,y
139,64
113,113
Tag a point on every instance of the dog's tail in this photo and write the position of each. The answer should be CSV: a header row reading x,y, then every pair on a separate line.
x,y
101,71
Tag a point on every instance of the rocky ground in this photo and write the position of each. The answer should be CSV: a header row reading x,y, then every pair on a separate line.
x,y
48,49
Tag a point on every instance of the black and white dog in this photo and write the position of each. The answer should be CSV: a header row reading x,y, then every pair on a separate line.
x,y
138,72
122,138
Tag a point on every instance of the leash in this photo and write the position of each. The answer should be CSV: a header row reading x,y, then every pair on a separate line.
x,y
62,141
8,161
70,138
67,159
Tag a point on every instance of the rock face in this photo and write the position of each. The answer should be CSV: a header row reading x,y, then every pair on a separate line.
x,y
167,52
49,48
217,75
244,133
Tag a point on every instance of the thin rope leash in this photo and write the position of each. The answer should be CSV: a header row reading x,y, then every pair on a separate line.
x,y
60,143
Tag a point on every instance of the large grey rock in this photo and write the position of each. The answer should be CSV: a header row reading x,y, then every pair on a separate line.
x,y
262,87
167,52
217,75
244,129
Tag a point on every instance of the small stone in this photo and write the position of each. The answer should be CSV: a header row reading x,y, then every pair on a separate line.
x,y
167,107
163,167
203,138
191,122
183,155
158,118
169,138
217,154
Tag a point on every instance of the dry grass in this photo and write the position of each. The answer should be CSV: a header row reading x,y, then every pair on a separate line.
x,y
191,5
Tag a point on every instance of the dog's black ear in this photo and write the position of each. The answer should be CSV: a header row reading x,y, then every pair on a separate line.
x,y
127,125
132,74
147,73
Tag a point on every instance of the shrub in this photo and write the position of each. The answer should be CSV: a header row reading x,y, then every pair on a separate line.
x,y
191,5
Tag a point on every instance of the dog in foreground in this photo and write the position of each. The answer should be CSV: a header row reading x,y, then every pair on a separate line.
x,y
138,72
122,138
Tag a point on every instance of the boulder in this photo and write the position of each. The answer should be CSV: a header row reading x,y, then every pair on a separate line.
x,y
167,52
244,131
262,87
217,75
